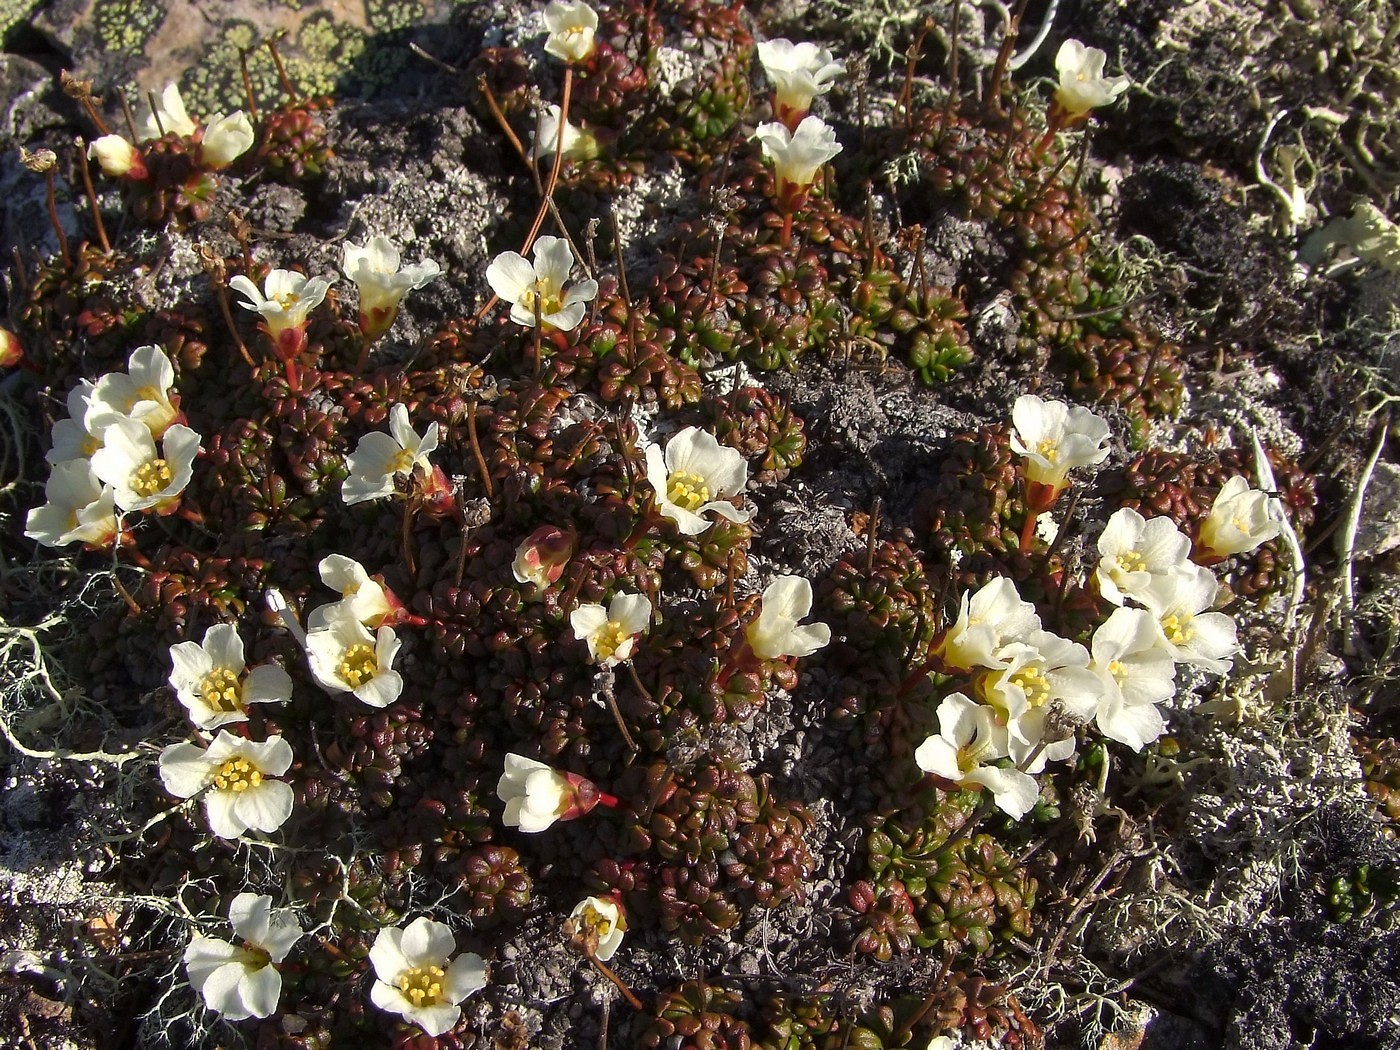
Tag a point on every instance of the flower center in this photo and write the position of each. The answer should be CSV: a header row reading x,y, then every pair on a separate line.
x,y
1118,670
1049,449
148,393
1131,561
402,463
551,300
219,689
1178,629
151,478
687,490
1033,682
358,665
237,774
422,985
610,639
286,300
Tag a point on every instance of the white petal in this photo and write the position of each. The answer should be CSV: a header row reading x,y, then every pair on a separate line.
x,y
387,956
427,943
510,276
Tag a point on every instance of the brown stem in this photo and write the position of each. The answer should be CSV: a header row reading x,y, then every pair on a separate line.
x,y
282,77
248,84
155,112
1013,30
92,197
495,108
476,451
558,160
951,105
610,696
126,596
221,293
407,537
130,120
629,356
53,218
607,972
636,680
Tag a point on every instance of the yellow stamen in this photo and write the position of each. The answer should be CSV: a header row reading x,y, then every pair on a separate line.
x,y
1131,561
687,490
1034,683
1178,629
358,665
237,774
219,689
551,300
151,478
610,638
422,985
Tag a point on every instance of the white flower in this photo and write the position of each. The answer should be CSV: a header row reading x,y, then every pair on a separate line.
x,y
209,680
799,73
776,631
1191,633
71,437
364,599
1056,438
376,271
379,458
611,634
418,978
535,795
142,478
1082,84
117,157
237,982
290,297
141,393
1137,673
1238,521
695,476
987,622
238,774
540,285
170,108
346,658
226,138
541,557
1135,551
968,740
601,917
797,156
578,144
79,508
1043,669
571,25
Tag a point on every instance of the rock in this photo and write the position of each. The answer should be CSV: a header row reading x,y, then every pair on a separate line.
x,y
1379,531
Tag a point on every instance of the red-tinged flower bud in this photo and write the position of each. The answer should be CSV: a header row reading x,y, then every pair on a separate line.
x,y
542,557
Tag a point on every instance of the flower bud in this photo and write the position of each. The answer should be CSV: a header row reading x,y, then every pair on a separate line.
x,y
541,558
117,157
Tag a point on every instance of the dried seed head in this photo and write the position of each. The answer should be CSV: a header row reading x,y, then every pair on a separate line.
x,y
40,161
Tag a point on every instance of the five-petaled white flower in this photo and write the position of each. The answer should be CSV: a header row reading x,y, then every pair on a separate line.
x,y
238,775
418,978
1055,438
1137,673
798,155
117,157
799,73
969,741
988,621
1082,83
168,117
141,393
242,981
538,287
364,599
776,632
1135,551
382,282
600,919
1193,635
226,138
571,25
346,658
536,795
141,477
1238,522
611,634
209,680
285,301
694,477
577,144
79,508
379,458
1042,669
